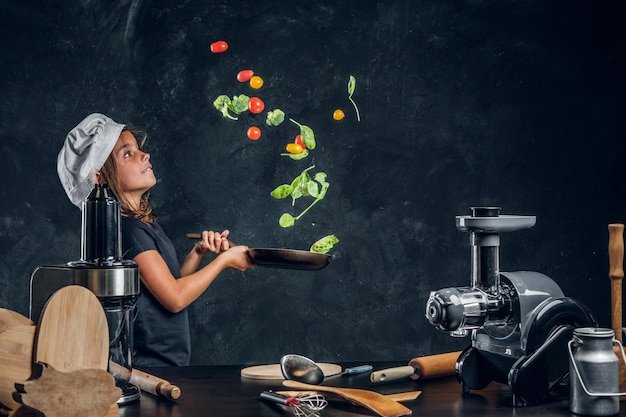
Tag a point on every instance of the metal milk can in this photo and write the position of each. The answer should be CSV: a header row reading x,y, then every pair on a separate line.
x,y
594,372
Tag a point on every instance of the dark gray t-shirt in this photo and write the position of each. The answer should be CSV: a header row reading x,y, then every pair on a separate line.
x,y
161,338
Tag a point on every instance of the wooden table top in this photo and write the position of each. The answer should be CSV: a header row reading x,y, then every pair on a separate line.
x,y
221,391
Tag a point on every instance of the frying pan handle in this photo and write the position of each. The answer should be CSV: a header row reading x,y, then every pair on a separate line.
x,y
199,236
616,273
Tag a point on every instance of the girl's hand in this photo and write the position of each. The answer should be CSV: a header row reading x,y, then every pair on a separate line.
x,y
237,258
212,242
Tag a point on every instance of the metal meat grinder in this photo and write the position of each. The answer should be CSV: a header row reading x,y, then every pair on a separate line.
x,y
519,322
101,269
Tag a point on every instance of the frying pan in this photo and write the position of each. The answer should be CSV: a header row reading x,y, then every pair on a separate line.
x,y
282,258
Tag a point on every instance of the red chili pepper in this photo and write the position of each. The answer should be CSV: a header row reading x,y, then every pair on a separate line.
x,y
298,140
255,105
219,47
244,75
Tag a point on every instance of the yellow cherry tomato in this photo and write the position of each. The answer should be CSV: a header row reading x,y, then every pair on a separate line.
x,y
338,114
256,82
293,148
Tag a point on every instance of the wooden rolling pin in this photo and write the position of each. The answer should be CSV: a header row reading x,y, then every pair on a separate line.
x,y
425,367
146,382
616,274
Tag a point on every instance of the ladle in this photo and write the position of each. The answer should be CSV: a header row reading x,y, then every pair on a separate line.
x,y
301,369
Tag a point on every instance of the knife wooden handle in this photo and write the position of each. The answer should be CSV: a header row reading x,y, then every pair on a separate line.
x,y
392,374
616,274
434,366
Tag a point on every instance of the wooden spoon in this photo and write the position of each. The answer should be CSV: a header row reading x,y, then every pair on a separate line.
x,y
371,400
616,274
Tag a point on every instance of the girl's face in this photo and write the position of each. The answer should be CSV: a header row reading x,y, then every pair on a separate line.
x,y
133,166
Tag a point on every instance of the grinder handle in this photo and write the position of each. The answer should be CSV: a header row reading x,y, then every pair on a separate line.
x,y
616,274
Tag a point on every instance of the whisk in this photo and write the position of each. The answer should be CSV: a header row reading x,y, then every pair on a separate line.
x,y
303,406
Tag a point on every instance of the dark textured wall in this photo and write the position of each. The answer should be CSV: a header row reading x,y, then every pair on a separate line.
x,y
463,103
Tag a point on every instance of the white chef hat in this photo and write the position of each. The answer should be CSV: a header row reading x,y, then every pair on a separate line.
x,y
84,152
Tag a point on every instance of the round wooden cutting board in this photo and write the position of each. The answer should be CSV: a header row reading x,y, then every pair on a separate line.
x,y
73,332
273,371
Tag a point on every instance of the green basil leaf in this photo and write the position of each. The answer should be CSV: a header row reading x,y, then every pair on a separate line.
x,y
313,189
325,244
297,156
351,85
286,220
308,137
282,191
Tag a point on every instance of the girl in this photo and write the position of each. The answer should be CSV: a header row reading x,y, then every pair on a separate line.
x,y
100,150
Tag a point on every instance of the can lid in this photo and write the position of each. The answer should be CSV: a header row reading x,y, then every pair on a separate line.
x,y
594,332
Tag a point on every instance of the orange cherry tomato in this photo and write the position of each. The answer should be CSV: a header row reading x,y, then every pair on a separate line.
x,y
219,47
338,114
294,148
255,105
256,82
244,75
298,140
254,133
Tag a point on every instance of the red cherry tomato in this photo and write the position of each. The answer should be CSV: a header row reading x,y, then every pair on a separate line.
x,y
219,47
294,148
255,105
244,75
254,133
298,140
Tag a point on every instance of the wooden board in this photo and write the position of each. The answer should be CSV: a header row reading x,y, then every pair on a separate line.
x,y
73,332
81,393
17,336
273,371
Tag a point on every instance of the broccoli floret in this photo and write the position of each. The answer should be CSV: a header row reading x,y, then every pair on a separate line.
x,y
222,103
239,104
275,117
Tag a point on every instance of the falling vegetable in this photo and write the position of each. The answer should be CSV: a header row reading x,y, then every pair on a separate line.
x,y
294,148
256,82
222,104
256,105
219,47
298,140
297,156
275,117
239,104
301,186
325,244
338,114
244,75
307,135
254,133
351,88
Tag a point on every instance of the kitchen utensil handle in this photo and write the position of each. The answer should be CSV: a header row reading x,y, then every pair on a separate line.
x,y
154,385
392,374
199,236
434,366
274,397
357,369
145,381
616,274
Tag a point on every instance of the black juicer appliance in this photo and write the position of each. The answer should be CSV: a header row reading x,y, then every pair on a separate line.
x,y
519,322
101,269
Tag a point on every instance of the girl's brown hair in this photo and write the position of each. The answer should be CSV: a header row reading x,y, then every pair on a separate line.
x,y
109,175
